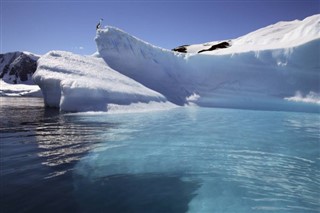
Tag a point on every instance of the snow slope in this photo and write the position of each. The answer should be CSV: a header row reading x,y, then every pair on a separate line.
x,y
262,70
84,83
284,34
262,75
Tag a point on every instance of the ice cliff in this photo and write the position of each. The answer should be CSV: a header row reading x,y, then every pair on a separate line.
x,y
262,70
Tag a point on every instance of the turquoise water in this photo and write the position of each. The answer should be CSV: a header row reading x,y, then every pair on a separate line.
x,y
180,160
227,160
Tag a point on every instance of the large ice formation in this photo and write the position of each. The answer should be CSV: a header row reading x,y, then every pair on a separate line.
x,y
85,83
261,70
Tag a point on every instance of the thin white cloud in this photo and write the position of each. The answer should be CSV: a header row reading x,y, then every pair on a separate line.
x,y
79,48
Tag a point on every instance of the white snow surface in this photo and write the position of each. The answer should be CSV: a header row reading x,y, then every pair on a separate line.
x,y
86,83
16,90
261,70
284,34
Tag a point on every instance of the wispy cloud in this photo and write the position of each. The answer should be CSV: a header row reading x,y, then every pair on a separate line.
x,y
79,48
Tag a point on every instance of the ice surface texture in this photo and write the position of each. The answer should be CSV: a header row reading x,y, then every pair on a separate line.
x,y
84,83
261,70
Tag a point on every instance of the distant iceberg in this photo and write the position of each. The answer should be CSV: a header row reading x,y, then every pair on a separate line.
x,y
17,90
261,70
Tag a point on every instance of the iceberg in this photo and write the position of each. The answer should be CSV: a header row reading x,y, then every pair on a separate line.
x,y
18,90
86,83
260,70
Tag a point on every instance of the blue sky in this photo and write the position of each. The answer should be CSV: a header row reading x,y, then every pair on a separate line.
x,y
40,26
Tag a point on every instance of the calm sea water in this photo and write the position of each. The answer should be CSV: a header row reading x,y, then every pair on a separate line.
x,y
181,160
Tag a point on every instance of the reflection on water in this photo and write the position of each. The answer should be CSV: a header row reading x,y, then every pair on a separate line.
x,y
302,124
183,160
39,147
60,139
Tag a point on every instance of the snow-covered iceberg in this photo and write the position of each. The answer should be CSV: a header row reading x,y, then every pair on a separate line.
x,y
284,34
17,90
261,70
85,83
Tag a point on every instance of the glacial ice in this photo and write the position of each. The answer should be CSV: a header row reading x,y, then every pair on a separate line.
x,y
85,83
261,70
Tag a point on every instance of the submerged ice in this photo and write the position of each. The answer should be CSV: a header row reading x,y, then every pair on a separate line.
x,y
202,160
261,70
